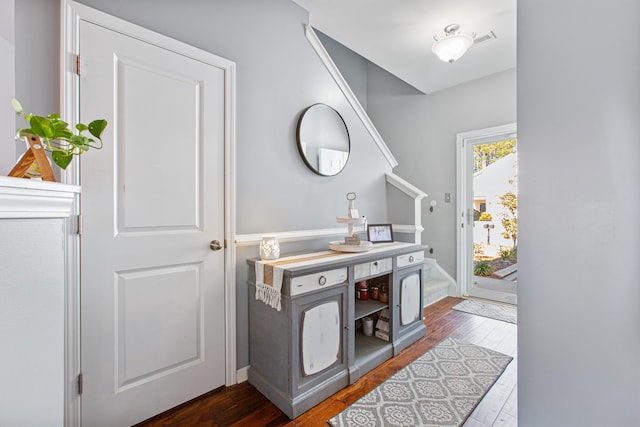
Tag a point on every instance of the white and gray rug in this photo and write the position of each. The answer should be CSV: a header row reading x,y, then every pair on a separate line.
x,y
440,388
506,313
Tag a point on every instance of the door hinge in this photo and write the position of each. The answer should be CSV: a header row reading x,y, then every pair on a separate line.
x,y
80,383
79,224
78,64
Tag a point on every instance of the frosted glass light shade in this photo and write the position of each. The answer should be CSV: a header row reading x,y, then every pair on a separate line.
x,y
269,248
452,47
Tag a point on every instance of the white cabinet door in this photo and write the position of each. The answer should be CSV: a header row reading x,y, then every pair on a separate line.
x,y
410,302
321,336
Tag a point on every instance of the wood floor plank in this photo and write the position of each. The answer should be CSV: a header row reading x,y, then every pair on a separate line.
x,y
511,407
505,420
242,405
474,423
489,409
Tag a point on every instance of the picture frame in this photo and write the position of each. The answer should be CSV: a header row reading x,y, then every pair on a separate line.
x,y
380,233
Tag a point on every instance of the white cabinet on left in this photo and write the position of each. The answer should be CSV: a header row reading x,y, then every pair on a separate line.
x,y
33,239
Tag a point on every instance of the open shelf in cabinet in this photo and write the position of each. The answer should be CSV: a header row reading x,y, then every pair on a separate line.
x,y
370,352
369,306
364,308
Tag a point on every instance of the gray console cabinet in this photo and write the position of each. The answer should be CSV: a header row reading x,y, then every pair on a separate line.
x,y
314,346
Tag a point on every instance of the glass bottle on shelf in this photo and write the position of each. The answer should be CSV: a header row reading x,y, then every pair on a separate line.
x,y
383,295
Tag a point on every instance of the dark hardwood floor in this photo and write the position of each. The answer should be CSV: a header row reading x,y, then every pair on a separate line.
x,y
243,405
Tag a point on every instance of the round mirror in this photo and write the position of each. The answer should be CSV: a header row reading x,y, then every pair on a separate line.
x,y
323,140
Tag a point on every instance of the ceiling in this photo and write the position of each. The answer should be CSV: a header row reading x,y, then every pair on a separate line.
x,y
397,35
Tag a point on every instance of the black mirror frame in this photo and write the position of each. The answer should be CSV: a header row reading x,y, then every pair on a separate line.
x,y
298,139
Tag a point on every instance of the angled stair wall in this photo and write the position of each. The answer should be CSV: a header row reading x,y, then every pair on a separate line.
x,y
437,283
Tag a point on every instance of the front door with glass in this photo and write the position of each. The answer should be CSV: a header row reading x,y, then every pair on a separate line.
x,y
488,235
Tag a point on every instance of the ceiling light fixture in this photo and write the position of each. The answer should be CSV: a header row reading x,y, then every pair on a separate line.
x,y
453,45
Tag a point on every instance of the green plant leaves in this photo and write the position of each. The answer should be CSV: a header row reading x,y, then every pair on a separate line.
x,y
17,107
81,142
482,268
62,158
58,124
41,126
96,127
58,138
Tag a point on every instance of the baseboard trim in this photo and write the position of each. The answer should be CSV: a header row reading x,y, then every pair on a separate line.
x,y
242,374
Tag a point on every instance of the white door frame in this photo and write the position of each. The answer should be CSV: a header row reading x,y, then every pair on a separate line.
x,y
464,167
72,14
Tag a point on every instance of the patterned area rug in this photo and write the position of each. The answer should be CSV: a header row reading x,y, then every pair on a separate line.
x,y
506,313
440,388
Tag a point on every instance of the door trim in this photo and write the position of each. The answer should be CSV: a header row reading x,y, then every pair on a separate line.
x,y
464,274
71,15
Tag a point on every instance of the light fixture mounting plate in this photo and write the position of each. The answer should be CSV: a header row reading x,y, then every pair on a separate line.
x,y
451,28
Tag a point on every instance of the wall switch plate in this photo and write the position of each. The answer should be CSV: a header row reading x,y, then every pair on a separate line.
x,y
447,197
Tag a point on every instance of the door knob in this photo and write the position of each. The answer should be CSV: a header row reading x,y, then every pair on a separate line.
x,y
215,245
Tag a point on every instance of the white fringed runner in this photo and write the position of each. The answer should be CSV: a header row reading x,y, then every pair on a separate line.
x,y
269,293
269,275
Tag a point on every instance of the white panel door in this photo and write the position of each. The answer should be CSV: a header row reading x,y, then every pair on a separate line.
x,y
152,289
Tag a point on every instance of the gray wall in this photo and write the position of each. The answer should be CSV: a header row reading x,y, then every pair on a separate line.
x,y
352,66
37,60
37,56
579,297
7,86
421,132
278,76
